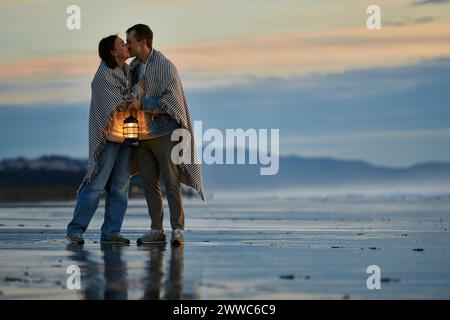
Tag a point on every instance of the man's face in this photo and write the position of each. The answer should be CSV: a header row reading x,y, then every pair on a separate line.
x,y
134,47
120,49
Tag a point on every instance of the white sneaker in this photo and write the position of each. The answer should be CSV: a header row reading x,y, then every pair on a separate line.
x,y
177,237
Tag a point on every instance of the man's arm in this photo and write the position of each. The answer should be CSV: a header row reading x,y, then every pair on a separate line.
x,y
150,104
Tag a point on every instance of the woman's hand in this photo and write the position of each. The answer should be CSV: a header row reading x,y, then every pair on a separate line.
x,y
135,105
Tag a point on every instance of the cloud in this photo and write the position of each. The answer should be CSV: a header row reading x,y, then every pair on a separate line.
x,y
293,54
59,66
424,2
366,136
391,116
218,63
322,52
45,90
63,78
407,22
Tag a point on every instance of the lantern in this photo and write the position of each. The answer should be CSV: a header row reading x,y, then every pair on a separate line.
x,y
131,130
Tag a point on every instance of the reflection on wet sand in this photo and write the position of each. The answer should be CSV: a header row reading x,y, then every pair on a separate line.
x,y
153,281
116,280
112,281
90,271
269,248
174,285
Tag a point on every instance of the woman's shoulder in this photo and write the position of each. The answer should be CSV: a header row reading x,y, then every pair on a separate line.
x,y
102,71
106,74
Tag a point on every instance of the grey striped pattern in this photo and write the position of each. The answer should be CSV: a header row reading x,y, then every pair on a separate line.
x,y
163,81
110,91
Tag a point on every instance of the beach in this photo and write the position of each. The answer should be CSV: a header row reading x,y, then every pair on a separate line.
x,y
238,248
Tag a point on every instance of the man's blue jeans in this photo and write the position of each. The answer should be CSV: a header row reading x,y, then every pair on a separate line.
x,y
113,176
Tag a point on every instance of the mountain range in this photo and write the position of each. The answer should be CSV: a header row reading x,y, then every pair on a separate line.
x,y
294,172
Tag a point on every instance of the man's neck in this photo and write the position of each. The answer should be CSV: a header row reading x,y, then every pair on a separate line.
x,y
145,54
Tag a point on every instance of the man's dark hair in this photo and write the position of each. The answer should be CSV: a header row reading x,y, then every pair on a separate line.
x,y
142,31
105,47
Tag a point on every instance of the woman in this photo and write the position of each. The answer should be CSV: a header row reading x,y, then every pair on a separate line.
x,y
109,161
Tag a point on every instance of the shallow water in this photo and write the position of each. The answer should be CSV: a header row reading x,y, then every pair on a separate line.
x,y
266,248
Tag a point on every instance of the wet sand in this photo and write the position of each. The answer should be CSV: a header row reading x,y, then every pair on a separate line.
x,y
306,248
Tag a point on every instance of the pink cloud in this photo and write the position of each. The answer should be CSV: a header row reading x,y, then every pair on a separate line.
x,y
285,55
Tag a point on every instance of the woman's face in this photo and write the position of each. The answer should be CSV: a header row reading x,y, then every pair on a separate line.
x,y
120,49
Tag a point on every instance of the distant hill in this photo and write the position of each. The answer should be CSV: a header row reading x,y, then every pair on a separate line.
x,y
58,177
299,172
50,178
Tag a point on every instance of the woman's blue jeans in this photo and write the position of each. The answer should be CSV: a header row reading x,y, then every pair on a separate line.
x,y
114,177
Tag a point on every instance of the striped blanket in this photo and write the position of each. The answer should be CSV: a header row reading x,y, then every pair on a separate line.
x,y
163,82
110,92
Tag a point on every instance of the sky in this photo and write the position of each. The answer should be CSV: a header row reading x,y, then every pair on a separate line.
x,y
310,68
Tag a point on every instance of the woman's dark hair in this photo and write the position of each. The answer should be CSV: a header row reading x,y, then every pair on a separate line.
x,y
105,47
142,31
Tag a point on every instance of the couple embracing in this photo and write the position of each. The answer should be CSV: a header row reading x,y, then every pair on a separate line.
x,y
150,88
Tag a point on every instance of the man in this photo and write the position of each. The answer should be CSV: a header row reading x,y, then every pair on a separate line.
x,y
166,110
